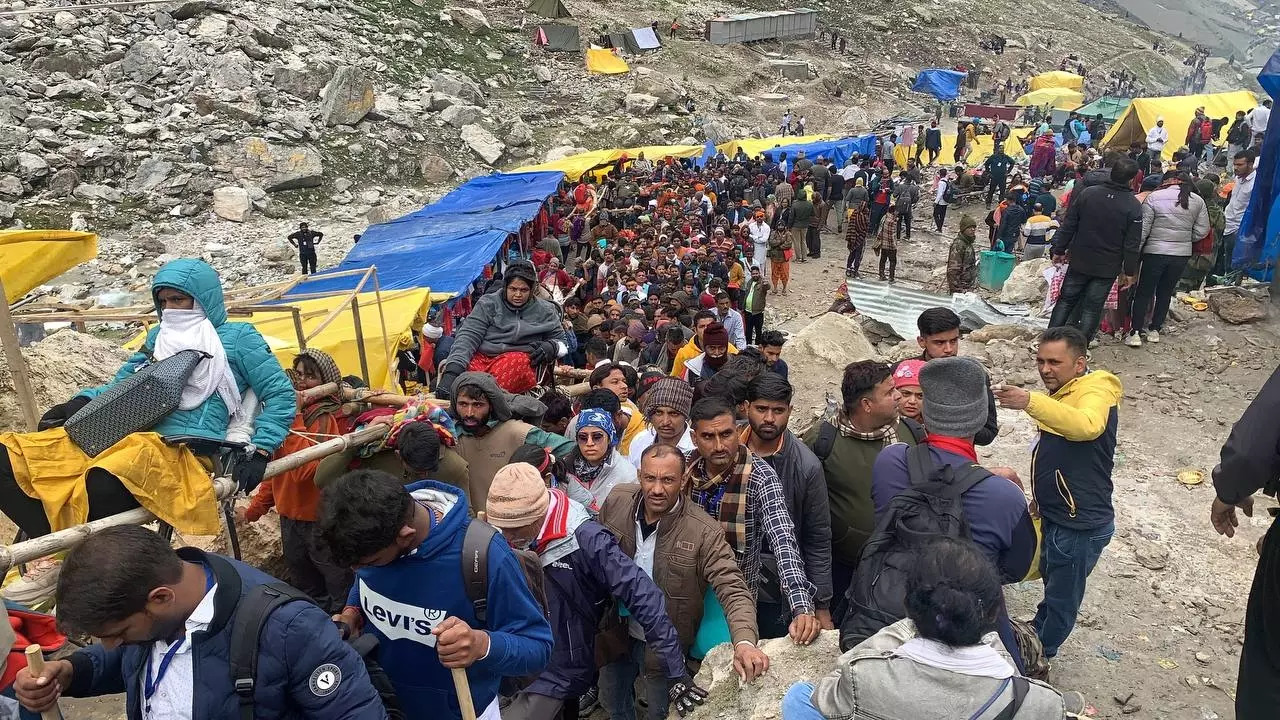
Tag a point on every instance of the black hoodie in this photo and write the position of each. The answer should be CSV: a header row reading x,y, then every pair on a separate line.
x,y
1103,231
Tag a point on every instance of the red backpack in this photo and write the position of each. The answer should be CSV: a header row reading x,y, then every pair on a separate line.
x,y
1206,131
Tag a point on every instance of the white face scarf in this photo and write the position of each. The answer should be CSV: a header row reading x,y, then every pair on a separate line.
x,y
191,330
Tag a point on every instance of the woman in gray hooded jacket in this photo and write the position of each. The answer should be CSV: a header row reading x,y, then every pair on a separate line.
x,y
944,654
1173,219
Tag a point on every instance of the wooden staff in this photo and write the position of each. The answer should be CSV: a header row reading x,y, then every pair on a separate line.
x,y
35,662
463,689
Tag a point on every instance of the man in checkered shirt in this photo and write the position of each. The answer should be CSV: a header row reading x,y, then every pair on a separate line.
x,y
743,493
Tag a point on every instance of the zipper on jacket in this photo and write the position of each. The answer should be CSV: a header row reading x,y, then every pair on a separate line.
x,y
1065,492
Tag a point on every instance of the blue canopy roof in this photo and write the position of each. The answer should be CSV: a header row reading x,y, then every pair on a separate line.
x,y
1258,240
940,83
445,245
839,150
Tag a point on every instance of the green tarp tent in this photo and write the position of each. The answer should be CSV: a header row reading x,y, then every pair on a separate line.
x,y
557,37
1111,108
548,8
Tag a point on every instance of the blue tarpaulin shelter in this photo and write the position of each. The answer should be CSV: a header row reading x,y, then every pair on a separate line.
x,y
940,83
839,150
1258,240
445,245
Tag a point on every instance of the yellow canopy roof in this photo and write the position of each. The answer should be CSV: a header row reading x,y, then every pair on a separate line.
x,y
1059,97
605,62
1057,79
29,258
982,149
575,166
1177,112
755,146
404,312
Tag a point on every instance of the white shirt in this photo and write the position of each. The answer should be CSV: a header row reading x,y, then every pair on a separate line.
x,y
1258,118
1157,137
646,437
759,232
1239,201
174,689
939,191
646,548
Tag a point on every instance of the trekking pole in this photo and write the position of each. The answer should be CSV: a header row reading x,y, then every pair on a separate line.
x,y
35,662
460,686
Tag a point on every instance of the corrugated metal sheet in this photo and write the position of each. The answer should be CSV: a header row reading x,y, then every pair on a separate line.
x,y
899,306
772,25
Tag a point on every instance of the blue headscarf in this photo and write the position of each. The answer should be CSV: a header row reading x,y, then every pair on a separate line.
x,y
595,417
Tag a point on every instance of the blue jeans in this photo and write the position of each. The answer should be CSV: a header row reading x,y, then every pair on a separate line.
x,y
797,704
617,687
1067,556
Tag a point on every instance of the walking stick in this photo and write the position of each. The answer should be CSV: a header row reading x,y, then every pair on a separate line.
x,y
35,662
460,686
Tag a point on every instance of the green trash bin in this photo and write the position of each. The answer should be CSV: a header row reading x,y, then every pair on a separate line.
x,y
994,268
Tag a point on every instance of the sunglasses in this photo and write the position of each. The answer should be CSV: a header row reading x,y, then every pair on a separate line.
x,y
592,438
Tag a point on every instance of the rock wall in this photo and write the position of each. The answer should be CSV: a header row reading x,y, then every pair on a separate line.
x,y
789,663
59,366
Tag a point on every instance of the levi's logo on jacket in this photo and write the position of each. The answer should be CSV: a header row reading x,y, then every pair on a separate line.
x,y
397,620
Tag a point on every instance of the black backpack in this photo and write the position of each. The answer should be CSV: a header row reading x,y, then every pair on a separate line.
x,y
475,570
930,508
949,192
251,616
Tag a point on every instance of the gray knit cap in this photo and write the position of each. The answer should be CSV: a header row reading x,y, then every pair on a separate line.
x,y
955,396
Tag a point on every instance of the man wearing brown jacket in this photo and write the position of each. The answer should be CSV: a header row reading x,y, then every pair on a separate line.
x,y
685,552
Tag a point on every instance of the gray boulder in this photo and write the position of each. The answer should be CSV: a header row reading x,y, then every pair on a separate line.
x,y
143,61
348,97
274,167
459,115
435,169
302,81
1026,284
483,143
452,82
232,203
31,166
470,19
86,191
62,183
151,173
10,185
639,103
232,71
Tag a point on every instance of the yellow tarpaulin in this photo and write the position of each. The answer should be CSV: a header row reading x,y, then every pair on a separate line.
x,y
605,62
403,310
1177,112
575,166
982,148
755,146
1058,97
1057,79
29,258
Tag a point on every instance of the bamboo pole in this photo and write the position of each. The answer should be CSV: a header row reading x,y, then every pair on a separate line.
x,y
361,351
35,663
463,688
297,328
337,309
223,488
382,320
17,364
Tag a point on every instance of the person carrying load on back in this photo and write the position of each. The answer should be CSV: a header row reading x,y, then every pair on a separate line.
x,y
993,509
509,334
294,494
49,482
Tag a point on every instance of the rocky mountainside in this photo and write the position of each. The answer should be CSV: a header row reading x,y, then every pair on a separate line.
x,y
199,126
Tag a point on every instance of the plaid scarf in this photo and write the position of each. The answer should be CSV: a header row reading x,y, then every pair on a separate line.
x,y
724,497
887,434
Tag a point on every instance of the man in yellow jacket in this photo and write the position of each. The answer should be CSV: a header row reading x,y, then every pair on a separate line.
x,y
693,348
1070,472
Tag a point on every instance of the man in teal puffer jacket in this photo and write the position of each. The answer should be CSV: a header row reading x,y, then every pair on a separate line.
x,y
181,286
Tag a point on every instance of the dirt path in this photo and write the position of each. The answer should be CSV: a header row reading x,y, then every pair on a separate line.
x,y
1170,636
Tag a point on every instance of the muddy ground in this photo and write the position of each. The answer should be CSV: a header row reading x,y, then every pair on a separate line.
x,y
1162,619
